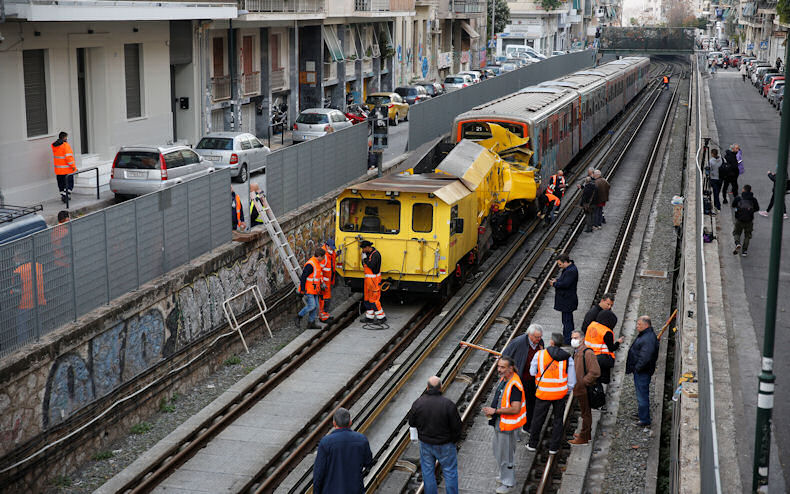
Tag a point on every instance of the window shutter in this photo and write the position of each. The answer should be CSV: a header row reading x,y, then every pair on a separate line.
x,y
35,92
131,54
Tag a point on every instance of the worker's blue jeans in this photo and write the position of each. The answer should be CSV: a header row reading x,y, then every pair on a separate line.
x,y
642,386
448,459
310,308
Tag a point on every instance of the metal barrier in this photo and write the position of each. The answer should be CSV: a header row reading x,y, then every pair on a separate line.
x,y
296,175
230,313
91,169
87,262
434,117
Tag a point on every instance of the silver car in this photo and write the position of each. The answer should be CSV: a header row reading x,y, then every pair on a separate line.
x,y
317,122
241,152
139,170
455,82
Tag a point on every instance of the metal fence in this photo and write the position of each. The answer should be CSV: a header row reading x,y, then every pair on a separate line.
x,y
296,175
434,117
83,264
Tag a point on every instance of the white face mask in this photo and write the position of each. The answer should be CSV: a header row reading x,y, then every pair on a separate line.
x,y
575,343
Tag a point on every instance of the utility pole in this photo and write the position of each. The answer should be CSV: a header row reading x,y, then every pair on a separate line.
x,y
765,393
493,27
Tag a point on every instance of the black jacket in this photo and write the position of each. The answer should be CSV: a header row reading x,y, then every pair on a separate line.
x,y
643,354
743,213
729,167
436,418
589,194
342,454
565,299
373,261
590,316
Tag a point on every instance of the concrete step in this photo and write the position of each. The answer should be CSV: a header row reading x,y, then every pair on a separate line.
x,y
85,183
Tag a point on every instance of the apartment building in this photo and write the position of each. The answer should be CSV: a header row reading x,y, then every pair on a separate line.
x,y
561,29
759,30
100,71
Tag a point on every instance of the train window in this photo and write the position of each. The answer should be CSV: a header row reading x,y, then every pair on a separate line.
x,y
370,215
422,218
453,217
479,130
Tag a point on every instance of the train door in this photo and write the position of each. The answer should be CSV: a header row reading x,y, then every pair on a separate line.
x,y
576,128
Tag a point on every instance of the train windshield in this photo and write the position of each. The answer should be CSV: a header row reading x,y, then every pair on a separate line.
x,y
370,215
479,130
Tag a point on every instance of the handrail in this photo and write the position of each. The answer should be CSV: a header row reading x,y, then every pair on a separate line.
x,y
93,168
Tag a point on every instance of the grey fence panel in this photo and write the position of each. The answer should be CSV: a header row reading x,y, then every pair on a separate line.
x,y
52,250
199,205
150,237
291,178
434,117
275,192
221,228
176,217
121,248
90,262
15,321
305,163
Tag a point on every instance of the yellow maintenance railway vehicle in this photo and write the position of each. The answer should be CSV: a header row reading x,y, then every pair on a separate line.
x,y
430,228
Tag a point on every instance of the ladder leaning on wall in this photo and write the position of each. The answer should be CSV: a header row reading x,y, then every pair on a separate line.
x,y
278,238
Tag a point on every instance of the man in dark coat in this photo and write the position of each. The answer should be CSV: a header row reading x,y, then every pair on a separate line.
x,y
642,357
587,372
438,427
342,454
565,299
521,350
588,202
606,303
728,173
745,206
601,197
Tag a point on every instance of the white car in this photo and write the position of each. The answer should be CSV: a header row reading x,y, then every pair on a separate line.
x,y
457,81
317,122
474,74
241,152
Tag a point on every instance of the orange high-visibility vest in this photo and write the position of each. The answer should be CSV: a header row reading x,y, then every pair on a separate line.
x,y
666,79
593,338
551,380
239,216
313,285
63,157
511,422
554,183
329,264
552,198
26,302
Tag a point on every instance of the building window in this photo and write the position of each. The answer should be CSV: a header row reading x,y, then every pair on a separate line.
x,y
33,62
218,57
134,100
274,47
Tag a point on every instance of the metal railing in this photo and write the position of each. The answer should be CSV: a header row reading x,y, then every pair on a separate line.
x,y
284,6
251,83
220,87
468,6
383,5
89,261
91,169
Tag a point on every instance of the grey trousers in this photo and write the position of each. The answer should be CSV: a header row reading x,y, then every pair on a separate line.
x,y
504,450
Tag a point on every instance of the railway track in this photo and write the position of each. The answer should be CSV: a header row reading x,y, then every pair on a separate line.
x,y
281,464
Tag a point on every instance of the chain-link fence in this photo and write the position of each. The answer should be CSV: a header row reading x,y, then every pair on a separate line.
x,y
296,175
84,263
434,117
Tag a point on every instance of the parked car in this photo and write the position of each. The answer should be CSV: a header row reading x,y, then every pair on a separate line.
x,y
19,221
530,57
239,151
433,89
769,81
475,75
458,81
759,75
397,109
316,122
139,170
557,53
509,67
487,73
413,94
496,69
520,62
776,92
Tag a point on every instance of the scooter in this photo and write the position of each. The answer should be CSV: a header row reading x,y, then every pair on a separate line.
x,y
357,113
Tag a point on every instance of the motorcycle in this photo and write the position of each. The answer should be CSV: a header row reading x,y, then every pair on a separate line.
x,y
279,116
357,113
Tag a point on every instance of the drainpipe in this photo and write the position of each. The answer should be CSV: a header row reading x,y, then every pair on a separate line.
x,y
234,102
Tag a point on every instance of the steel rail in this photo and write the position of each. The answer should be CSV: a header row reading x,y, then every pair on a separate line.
x,y
626,232
456,361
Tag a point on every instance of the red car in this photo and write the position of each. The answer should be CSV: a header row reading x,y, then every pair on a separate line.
x,y
769,83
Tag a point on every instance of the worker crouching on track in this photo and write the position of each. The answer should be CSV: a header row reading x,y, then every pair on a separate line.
x,y
507,413
310,285
549,204
328,268
371,262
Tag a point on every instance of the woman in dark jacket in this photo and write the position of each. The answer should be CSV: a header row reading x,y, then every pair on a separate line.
x,y
728,173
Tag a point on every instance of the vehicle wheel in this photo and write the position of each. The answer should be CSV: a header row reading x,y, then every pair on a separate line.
x,y
122,197
243,174
406,118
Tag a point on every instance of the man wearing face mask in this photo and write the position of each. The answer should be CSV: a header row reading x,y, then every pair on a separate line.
x,y
585,364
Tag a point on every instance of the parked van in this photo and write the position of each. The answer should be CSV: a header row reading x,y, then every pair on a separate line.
x,y
19,221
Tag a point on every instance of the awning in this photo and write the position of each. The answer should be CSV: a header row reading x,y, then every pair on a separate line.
x,y
469,30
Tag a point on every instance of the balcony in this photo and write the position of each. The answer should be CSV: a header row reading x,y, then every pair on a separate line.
x,y
468,6
251,83
277,79
367,66
283,6
220,87
383,5
351,69
120,10
330,71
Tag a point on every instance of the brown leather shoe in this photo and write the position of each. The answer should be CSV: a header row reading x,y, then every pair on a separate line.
x,y
578,440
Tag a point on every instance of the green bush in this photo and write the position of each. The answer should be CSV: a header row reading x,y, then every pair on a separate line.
x,y
103,455
234,360
141,428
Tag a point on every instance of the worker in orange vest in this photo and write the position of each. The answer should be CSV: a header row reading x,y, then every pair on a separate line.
x,y
62,260
310,285
665,80
371,263
328,267
63,158
551,204
507,413
557,184
555,377
237,213
599,336
30,297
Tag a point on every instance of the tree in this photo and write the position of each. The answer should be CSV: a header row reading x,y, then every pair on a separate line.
x,y
677,12
502,16
633,21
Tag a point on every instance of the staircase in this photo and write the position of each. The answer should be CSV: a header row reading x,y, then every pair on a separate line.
x,y
85,183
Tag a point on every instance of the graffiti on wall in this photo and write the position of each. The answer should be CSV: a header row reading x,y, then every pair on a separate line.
x,y
132,346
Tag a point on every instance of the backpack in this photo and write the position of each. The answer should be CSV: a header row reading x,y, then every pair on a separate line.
x,y
745,210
